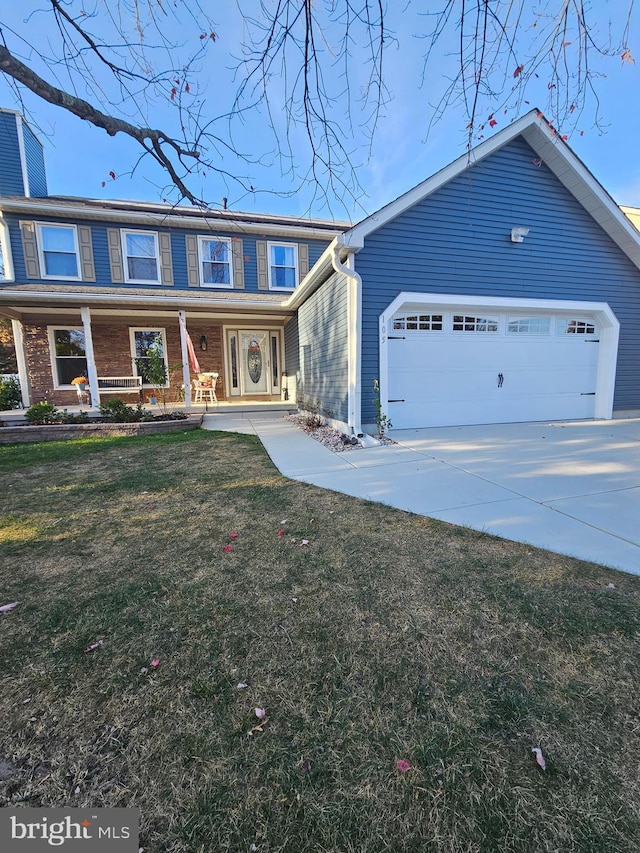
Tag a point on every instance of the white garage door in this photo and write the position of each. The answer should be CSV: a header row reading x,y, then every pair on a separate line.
x,y
475,367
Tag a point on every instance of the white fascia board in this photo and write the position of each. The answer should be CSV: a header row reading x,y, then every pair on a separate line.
x,y
159,220
554,153
80,298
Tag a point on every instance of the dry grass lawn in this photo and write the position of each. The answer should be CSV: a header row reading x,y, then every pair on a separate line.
x,y
387,637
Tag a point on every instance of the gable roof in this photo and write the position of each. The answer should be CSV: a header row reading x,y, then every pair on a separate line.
x,y
555,154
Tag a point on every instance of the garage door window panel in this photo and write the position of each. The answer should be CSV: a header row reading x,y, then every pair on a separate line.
x,y
529,326
576,326
470,323
418,323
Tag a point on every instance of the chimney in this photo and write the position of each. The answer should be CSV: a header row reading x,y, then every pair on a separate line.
x,y
22,169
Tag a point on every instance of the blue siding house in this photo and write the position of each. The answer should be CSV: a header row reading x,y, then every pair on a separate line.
x,y
504,288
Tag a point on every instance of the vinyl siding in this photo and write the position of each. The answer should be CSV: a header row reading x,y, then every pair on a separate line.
x,y
35,163
291,348
178,252
457,241
11,182
323,340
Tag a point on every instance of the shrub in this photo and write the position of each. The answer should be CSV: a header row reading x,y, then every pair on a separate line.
x,y
79,418
118,411
43,413
9,393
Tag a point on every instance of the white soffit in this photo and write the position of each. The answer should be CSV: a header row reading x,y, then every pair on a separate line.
x,y
554,153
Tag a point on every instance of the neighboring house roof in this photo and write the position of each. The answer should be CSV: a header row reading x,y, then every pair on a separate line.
x,y
632,214
553,152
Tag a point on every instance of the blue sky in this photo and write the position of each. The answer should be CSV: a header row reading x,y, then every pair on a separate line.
x,y
79,157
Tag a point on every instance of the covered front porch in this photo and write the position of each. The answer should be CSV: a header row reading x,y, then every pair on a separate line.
x,y
238,355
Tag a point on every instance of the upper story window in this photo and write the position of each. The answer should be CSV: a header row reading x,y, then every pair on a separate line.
x,y
283,266
58,251
141,257
214,259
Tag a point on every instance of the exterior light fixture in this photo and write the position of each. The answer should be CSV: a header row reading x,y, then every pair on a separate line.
x,y
518,234
203,343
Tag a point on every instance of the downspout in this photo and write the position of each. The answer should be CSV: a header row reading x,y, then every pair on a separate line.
x,y
354,325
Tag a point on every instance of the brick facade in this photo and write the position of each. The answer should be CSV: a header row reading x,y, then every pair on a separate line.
x,y
112,349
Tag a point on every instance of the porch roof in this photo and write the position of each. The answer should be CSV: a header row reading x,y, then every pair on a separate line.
x,y
23,299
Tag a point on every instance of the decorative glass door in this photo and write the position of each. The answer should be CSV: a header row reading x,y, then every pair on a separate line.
x,y
254,362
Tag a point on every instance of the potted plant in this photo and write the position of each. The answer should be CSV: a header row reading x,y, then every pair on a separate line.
x,y
81,383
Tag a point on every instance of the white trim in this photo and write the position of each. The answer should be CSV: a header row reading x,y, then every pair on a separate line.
x,y
125,256
23,373
201,260
23,156
92,372
132,350
354,339
65,327
184,351
296,266
609,330
554,153
41,251
5,247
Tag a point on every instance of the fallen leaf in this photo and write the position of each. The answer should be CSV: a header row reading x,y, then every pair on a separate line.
x,y
306,766
295,600
233,535
242,685
539,757
260,713
97,645
155,663
403,765
284,521
228,548
7,607
611,586
304,542
590,586
144,670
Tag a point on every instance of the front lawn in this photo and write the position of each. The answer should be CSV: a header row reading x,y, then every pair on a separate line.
x,y
388,637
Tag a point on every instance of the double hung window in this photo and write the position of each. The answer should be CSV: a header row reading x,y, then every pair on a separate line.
x,y
58,251
283,266
68,354
148,352
141,258
214,255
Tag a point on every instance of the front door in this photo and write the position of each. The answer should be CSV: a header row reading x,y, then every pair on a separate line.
x,y
254,362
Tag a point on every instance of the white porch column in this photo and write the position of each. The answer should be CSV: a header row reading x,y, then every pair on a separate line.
x,y
18,339
186,375
91,361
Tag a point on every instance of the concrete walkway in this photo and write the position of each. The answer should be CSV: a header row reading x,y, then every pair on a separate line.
x,y
570,487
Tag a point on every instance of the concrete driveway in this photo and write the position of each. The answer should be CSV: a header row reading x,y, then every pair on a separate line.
x,y
570,487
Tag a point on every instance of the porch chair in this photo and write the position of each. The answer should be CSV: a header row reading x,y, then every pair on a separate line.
x,y
204,388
